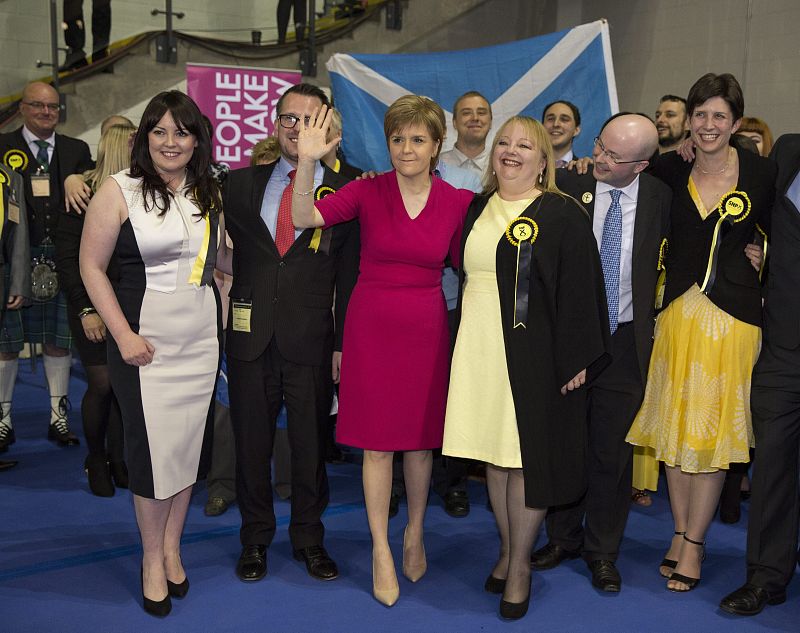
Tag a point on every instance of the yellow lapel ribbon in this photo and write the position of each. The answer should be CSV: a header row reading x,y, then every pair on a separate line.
x,y
662,275
522,232
196,277
733,207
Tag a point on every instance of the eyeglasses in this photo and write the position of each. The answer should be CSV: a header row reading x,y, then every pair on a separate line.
x,y
289,120
38,105
611,156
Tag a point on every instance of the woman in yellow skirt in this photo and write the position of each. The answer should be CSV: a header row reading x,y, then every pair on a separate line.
x,y
696,409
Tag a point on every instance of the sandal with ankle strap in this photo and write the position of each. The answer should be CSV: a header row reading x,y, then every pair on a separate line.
x,y
690,583
668,562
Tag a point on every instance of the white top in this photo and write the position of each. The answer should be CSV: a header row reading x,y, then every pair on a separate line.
x,y
457,158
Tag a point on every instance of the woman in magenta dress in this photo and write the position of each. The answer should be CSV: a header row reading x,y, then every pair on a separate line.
x,y
395,359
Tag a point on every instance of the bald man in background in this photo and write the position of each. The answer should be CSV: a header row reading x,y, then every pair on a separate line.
x,y
44,159
630,218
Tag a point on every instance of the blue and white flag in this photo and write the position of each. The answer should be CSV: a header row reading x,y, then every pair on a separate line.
x,y
517,78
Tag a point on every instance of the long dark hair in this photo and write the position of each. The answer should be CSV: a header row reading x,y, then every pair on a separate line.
x,y
186,114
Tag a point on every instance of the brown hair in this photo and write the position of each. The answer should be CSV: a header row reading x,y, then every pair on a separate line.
x,y
710,86
757,126
471,93
416,110
538,135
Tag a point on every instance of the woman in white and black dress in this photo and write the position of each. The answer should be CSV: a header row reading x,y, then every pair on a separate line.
x,y
161,221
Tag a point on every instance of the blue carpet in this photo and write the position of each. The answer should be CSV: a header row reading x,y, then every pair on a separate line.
x,y
69,562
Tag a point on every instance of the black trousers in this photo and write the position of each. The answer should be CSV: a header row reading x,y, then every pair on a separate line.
x,y
596,523
284,8
257,389
774,505
75,30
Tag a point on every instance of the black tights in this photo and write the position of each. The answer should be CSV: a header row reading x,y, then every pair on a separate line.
x,y
518,526
102,423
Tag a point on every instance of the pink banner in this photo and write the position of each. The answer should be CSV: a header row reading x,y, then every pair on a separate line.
x,y
240,102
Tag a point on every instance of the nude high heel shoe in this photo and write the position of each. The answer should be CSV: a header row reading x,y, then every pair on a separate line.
x,y
385,596
413,572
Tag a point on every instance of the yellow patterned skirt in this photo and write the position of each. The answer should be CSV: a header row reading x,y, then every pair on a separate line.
x,y
696,409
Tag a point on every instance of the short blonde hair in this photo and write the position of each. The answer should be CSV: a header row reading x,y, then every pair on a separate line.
x,y
266,151
113,154
536,133
416,110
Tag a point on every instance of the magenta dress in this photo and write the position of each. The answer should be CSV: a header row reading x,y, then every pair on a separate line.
x,y
395,357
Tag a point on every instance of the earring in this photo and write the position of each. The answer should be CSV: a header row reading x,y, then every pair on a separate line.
x,y
540,177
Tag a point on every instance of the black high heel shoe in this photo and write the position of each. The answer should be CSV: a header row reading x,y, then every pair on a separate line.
x,y
99,475
515,610
495,585
159,608
668,562
178,590
691,583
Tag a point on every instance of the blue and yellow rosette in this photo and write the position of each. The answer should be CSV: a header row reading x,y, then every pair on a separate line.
x,y
733,208
321,239
522,233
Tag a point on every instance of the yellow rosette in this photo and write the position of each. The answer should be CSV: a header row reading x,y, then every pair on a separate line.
x,y
733,207
522,233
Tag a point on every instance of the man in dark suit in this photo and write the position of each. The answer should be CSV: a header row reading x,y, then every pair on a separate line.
x,y
280,340
44,159
630,217
775,404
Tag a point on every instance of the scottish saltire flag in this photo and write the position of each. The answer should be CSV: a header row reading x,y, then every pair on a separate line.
x,y
517,78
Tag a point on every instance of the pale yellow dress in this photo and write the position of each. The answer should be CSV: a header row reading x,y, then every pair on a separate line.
x,y
696,409
481,422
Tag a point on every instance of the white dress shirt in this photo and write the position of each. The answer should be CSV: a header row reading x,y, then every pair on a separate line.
x,y
457,158
602,201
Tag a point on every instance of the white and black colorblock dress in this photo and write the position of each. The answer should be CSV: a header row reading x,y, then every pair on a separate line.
x,y
166,292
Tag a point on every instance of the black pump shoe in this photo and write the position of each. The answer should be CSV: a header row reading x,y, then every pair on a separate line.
x,y
515,610
99,474
178,590
158,608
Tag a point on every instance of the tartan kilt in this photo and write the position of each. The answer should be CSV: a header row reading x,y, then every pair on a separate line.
x,y
37,323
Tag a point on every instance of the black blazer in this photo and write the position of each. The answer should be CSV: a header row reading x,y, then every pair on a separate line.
x,y
782,311
291,296
71,156
650,227
737,288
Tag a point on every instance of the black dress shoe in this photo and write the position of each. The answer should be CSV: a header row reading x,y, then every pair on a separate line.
x,y
158,608
456,503
252,563
394,505
59,429
605,575
750,600
7,437
551,555
215,506
6,464
318,563
178,590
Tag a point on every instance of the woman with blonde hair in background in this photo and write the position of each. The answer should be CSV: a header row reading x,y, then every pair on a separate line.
x,y
102,426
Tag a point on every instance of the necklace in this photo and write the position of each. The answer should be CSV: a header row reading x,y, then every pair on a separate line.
x,y
716,173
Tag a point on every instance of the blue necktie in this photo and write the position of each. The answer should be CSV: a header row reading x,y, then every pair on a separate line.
x,y
610,250
42,157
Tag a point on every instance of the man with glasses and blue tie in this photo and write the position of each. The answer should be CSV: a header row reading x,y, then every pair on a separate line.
x,y
44,159
280,339
629,212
